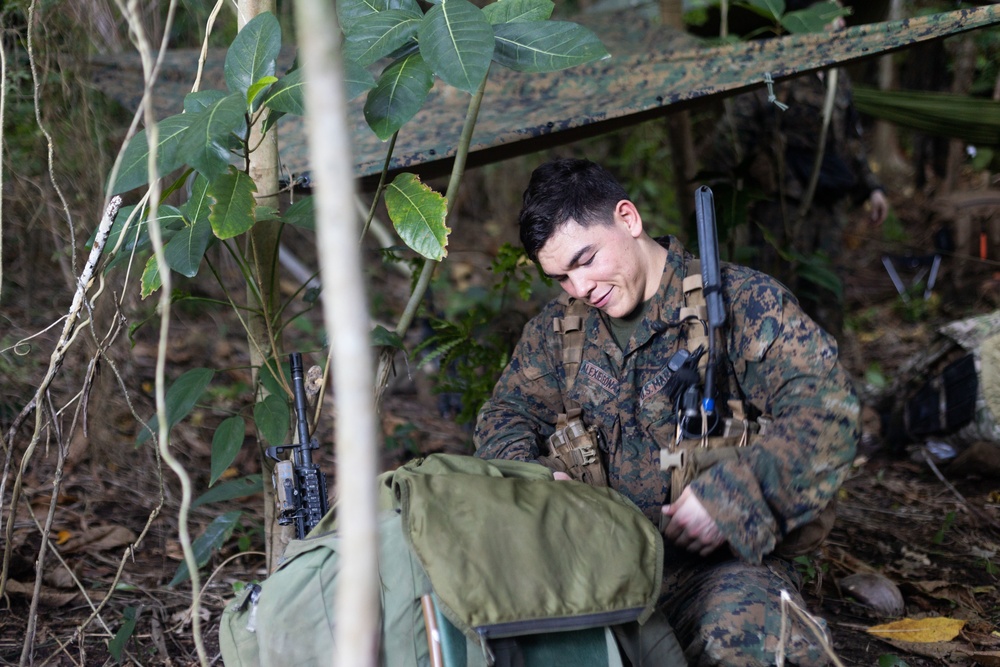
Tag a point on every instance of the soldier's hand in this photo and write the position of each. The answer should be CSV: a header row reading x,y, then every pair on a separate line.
x,y
879,206
691,527
556,465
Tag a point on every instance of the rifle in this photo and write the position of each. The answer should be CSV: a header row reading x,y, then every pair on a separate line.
x,y
698,416
299,484
711,283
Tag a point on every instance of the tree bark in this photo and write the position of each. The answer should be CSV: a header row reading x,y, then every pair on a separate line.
x,y
679,129
885,142
347,324
964,56
262,253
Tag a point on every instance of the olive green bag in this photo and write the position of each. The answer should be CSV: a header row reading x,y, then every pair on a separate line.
x,y
522,570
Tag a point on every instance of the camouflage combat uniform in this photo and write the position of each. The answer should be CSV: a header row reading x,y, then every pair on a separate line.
x,y
726,610
776,149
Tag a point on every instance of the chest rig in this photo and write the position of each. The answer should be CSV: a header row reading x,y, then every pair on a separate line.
x,y
574,446
701,440
692,453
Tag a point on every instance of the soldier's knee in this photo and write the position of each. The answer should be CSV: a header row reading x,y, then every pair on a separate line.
x,y
747,650
746,642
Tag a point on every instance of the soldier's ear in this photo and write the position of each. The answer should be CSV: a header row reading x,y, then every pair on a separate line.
x,y
627,214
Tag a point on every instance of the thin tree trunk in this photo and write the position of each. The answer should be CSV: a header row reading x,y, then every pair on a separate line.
x,y
262,251
885,141
679,128
964,57
347,323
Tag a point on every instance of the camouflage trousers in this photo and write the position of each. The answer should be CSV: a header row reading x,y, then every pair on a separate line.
x,y
820,233
729,613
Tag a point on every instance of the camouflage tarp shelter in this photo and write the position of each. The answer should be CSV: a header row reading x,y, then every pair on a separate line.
x,y
653,71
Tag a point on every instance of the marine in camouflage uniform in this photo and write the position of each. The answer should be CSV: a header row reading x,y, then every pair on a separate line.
x,y
725,604
775,151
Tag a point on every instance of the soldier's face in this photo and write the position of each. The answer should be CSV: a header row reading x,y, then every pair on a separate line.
x,y
599,264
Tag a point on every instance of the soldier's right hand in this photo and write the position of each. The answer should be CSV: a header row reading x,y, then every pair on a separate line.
x,y
691,527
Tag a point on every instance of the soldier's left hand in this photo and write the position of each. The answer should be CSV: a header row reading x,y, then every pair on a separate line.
x,y
879,206
691,527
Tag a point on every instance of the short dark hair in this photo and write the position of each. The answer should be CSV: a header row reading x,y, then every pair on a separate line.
x,y
562,190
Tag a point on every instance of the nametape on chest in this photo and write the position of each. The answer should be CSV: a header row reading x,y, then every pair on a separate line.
x,y
600,377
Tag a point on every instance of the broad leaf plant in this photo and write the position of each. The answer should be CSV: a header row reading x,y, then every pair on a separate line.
x,y
393,52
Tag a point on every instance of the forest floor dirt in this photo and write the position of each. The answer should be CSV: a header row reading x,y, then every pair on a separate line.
x,y
932,529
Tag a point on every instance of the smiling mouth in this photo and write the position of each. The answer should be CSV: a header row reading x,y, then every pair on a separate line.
x,y
603,301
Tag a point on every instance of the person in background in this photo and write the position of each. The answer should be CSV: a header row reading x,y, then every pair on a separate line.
x,y
770,145
732,530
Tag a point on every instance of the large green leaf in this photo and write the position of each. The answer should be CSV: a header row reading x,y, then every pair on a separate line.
x,y
253,54
301,214
815,18
286,95
186,249
213,538
233,203
137,234
234,488
134,169
377,35
546,46
201,100
226,444
400,92
349,12
516,11
456,40
357,79
418,213
205,144
272,384
180,399
271,416
197,207
769,9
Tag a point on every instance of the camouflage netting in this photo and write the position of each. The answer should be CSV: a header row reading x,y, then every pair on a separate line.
x,y
653,70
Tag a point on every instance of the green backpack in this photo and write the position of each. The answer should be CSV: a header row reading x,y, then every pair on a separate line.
x,y
520,570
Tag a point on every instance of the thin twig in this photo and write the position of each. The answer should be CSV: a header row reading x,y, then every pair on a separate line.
x,y
156,238
811,622
50,145
3,109
55,363
937,473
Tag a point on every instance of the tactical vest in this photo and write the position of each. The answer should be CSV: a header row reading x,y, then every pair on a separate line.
x,y
574,446
690,454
